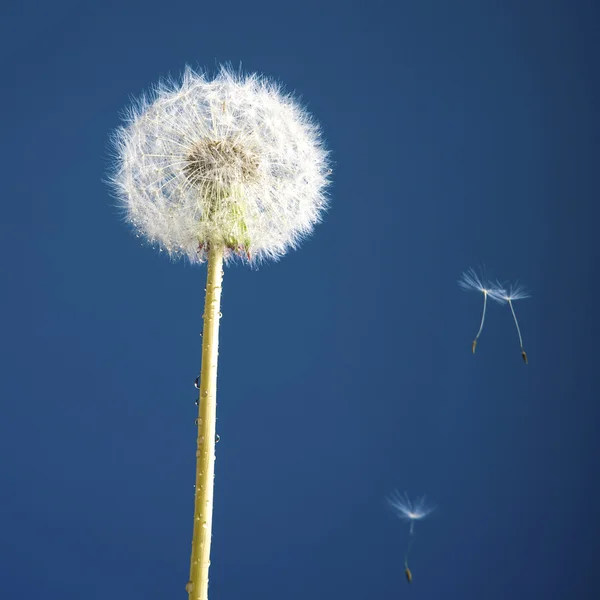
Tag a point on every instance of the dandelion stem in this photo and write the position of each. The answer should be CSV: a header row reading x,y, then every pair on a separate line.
x,y
197,586
410,543
516,323
523,353
482,320
482,314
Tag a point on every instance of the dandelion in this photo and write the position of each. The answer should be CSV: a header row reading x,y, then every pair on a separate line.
x,y
221,169
409,511
470,281
516,292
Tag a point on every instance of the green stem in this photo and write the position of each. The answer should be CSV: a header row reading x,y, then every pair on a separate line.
x,y
197,586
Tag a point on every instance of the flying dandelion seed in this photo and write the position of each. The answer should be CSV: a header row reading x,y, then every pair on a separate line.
x,y
470,281
222,169
409,511
516,292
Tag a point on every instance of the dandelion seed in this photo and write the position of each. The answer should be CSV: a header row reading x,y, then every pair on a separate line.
x,y
409,511
214,170
516,292
470,281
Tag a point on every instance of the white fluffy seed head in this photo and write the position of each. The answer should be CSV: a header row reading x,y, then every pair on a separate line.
x,y
230,161
516,291
470,280
410,510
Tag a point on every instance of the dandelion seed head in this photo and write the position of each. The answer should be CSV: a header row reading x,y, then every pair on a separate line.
x,y
515,292
220,164
232,161
471,281
410,510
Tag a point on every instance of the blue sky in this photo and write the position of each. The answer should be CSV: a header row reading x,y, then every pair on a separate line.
x,y
463,135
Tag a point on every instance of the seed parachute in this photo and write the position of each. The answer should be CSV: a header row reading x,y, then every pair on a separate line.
x,y
516,292
470,281
409,511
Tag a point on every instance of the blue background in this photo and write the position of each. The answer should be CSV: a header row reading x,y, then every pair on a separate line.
x,y
462,134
